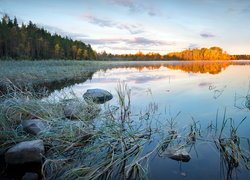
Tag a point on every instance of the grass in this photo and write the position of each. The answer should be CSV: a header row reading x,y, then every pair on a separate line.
x,y
111,143
43,73
108,145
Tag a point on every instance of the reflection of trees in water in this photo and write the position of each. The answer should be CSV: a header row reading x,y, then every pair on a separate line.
x,y
187,66
201,67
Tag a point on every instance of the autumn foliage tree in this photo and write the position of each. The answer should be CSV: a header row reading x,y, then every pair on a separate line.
x,y
213,53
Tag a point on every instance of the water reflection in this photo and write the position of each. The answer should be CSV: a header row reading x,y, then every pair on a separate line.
x,y
202,67
197,90
189,66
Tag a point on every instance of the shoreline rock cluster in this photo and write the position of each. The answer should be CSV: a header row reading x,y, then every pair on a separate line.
x,y
33,151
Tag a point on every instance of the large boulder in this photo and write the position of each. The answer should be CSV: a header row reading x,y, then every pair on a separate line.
x,y
25,152
98,96
178,154
75,109
34,126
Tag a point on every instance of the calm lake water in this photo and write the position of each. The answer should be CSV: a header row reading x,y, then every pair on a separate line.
x,y
195,89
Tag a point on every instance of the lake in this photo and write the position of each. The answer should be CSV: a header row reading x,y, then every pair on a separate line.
x,y
200,94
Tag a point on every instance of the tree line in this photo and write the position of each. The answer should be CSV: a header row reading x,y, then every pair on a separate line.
x,y
213,53
31,42
27,41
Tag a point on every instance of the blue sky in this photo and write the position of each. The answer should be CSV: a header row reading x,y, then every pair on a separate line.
x,y
127,26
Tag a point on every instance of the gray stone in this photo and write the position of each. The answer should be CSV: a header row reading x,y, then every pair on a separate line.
x,y
177,154
74,109
34,126
30,176
25,152
98,96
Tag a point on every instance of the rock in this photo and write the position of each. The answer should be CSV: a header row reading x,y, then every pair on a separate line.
x,y
30,176
98,96
34,126
25,152
177,154
74,109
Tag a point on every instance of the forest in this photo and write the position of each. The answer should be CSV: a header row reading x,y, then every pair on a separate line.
x,y
213,53
34,43
29,42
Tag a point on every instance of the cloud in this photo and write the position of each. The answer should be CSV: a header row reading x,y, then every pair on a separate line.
x,y
245,9
101,41
135,6
137,41
131,28
207,35
239,10
98,21
127,3
53,29
193,46
134,48
146,41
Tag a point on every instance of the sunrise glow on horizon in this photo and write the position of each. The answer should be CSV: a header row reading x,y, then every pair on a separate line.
x,y
129,26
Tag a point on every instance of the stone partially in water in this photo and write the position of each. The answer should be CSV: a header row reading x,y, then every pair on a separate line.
x,y
34,126
177,154
98,96
25,152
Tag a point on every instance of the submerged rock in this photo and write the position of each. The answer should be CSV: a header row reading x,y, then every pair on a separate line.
x,y
25,152
177,154
98,96
34,126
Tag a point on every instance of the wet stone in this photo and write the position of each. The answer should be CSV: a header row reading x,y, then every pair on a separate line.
x,y
98,96
25,152
74,109
177,154
34,126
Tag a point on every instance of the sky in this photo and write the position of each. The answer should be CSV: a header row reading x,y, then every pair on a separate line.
x,y
129,26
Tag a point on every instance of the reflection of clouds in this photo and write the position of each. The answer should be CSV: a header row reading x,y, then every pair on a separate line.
x,y
139,79
204,84
106,80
